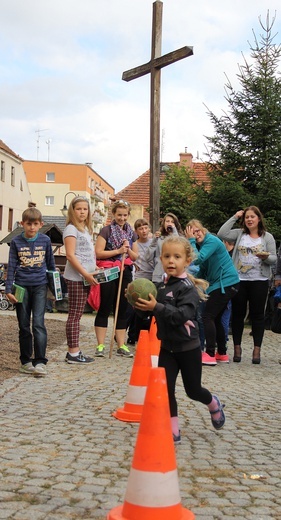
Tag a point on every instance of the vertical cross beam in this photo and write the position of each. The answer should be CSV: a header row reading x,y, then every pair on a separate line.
x,y
155,87
154,67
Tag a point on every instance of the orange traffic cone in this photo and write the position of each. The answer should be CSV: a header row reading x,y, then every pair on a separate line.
x,y
154,343
133,407
152,490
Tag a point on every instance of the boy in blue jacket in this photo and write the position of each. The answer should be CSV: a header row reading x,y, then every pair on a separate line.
x,y
30,257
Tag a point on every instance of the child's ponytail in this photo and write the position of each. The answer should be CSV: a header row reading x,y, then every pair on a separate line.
x,y
201,286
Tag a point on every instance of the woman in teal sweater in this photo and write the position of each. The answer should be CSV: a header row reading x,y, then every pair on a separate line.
x,y
215,266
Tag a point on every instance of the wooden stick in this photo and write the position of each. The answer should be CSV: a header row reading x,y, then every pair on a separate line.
x,y
117,305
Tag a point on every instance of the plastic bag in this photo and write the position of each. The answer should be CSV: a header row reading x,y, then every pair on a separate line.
x,y
277,294
94,297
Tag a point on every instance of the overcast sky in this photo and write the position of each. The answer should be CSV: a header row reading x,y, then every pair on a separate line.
x,y
61,65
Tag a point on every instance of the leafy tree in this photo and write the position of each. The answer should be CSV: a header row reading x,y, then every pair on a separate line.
x,y
181,194
176,191
223,200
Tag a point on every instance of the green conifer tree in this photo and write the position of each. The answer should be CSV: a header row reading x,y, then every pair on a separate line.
x,y
246,146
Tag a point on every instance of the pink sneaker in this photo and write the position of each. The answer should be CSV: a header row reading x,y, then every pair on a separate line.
x,y
222,358
208,360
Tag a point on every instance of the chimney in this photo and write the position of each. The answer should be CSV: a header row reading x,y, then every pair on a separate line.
x,y
186,159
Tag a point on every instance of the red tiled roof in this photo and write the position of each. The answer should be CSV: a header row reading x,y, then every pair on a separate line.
x,y
201,174
8,150
137,192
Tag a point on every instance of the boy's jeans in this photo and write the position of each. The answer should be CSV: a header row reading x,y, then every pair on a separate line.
x,y
34,302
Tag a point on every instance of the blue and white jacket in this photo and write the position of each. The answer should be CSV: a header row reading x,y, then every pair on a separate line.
x,y
29,261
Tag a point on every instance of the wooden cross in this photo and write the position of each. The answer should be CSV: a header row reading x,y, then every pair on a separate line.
x,y
154,67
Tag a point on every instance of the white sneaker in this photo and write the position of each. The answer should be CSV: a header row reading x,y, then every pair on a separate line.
x,y
40,370
28,368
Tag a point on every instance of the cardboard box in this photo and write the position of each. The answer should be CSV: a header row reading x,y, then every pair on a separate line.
x,y
18,292
54,284
106,275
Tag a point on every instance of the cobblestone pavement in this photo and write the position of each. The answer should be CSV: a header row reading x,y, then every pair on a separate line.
x,y
63,455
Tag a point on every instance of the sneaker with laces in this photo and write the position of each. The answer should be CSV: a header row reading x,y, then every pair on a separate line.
x,y
40,370
78,360
27,368
124,351
222,358
100,350
208,360
177,438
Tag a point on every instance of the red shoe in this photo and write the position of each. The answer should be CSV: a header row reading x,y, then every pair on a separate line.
x,y
208,360
222,358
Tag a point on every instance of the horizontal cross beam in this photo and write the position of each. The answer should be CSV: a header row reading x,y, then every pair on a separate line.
x,y
157,63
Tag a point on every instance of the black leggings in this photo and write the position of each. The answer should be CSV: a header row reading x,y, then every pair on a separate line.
x,y
109,292
212,314
189,363
256,293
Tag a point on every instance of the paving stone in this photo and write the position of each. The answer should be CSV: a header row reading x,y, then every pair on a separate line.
x,y
63,455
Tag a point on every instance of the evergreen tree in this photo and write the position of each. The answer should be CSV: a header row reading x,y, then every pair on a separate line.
x,y
246,147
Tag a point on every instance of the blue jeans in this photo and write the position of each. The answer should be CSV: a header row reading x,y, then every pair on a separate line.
x,y
225,319
34,302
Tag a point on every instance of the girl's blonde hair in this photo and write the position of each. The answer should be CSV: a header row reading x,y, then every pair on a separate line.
x,y
200,284
72,218
194,223
120,204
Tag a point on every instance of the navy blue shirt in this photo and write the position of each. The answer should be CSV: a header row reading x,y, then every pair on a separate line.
x,y
29,261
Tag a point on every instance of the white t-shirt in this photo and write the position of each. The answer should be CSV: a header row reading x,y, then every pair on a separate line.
x,y
144,269
249,265
84,252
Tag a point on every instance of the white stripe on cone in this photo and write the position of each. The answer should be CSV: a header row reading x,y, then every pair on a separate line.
x,y
135,394
154,361
153,489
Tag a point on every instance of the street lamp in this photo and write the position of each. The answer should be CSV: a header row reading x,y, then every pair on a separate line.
x,y
64,210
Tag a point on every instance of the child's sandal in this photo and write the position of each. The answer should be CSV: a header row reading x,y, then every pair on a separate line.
x,y
218,423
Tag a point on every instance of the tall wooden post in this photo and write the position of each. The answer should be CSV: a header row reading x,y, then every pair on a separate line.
x,y
153,67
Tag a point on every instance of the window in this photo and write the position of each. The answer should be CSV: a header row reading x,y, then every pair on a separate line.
x,y
10,220
21,186
13,176
49,200
3,171
1,216
50,177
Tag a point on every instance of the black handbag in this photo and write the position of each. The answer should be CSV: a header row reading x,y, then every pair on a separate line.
x,y
276,321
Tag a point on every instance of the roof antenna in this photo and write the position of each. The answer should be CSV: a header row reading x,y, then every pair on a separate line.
x,y
38,139
48,142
